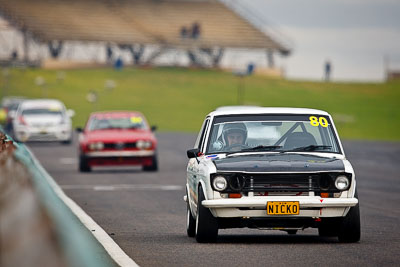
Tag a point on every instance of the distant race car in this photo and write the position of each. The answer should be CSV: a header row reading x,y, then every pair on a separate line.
x,y
42,120
9,106
117,138
270,168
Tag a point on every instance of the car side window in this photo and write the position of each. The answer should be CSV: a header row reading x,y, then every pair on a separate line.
x,y
200,139
203,135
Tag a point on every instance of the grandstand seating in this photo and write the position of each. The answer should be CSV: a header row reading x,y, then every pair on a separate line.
x,y
70,20
136,21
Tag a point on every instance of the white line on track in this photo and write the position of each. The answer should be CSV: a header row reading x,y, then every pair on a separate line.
x,y
115,252
137,187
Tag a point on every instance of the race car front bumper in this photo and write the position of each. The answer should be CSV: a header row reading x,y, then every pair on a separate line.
x,y
123,153
43,134
257,206
105,158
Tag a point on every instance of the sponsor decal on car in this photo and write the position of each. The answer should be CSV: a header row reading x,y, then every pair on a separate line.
x,y
212,157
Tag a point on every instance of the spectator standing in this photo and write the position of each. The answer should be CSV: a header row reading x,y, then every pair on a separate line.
x,y
184,32
328,69
14,55
109,54
196,30
118,64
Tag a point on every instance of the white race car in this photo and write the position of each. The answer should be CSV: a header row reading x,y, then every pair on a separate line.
x,y
270,168
43,120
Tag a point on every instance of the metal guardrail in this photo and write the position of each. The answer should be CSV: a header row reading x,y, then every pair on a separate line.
x,y
78,245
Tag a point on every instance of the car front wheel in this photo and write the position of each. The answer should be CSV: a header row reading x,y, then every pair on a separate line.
x,y
67,142
347,229
83,164
350,229
153,167
190,222
206,223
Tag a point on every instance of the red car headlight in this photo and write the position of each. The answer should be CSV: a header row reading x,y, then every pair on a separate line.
x,y
96,146
143,144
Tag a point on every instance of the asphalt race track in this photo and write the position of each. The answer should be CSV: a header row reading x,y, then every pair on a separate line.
x,y
145,212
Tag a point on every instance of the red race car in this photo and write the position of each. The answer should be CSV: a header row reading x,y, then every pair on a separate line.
x,y
117,138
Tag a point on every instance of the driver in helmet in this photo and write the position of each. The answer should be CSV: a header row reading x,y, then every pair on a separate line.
x,y
234,135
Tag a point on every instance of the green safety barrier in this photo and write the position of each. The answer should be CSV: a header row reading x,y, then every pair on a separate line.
x,y
79,245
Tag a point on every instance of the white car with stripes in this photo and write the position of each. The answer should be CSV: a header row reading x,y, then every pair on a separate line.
x,y
270,168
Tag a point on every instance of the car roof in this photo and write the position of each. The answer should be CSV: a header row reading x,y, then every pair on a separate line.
x,y
37,103
236,110
225,108
115,114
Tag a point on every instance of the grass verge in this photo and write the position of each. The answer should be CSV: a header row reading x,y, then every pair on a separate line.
x,y
178,99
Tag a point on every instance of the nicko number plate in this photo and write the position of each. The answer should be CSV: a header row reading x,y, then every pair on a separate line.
x,y
283,207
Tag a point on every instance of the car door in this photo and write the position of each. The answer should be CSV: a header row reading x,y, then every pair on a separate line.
x,y
193,167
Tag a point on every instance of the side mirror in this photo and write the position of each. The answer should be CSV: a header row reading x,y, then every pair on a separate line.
x,y
153,128
193,153
70,113
79,129
11,114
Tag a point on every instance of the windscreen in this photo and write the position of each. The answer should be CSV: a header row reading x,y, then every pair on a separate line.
x,y
311,133
127,122
42,111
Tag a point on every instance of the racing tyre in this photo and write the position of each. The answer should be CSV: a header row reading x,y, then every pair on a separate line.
x,y
206,223
153,167
190,222
67,142
350,228
83,164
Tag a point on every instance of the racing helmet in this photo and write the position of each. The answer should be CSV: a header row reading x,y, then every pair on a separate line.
x,y
236,127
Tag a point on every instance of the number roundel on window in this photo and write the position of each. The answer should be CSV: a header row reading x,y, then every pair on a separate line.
x,y
323,122
315,121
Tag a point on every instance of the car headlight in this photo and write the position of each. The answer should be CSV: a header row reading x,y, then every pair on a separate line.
x,y
142,144
342,182
96,146
237,182
220,183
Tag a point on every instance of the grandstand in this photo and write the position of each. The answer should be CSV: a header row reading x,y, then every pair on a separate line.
x,y
129,23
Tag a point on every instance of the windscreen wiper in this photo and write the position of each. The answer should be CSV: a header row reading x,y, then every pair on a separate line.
x,y
263,148
258,148
309,148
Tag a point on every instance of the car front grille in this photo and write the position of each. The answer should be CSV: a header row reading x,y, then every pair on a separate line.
x,y
43,137
274,184
120,146
41,124
281,183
